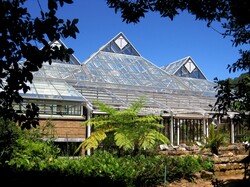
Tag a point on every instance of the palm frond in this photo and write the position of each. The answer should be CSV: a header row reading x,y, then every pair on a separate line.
x,y
149,139
96,137
105,108
150,121
123,141
98,123
136,106
93,140
161,137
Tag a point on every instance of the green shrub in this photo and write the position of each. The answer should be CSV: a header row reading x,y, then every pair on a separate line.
x,y
206,163
31,154
215,139
181,167
37,160
9,133
24,149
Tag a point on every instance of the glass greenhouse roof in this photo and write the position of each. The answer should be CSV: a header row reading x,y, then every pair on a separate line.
x,y
62,71
129,70
136,71
120,44
117,74
174,66
53,90
185,67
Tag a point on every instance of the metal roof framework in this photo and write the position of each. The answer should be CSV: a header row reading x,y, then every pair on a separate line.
x,y
118,75
185,67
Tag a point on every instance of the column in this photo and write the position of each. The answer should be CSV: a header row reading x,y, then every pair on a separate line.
x,y
232,130
204,129
207,133
172,129
178,131
88,129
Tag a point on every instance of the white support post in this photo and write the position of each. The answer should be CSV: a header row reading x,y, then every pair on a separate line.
x,y
207,133
204,129
178,132
172,129
88,129
232,130
231,117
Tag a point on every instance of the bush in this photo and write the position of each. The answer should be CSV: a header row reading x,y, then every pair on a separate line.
x,y
206,164
181,167
9,133
215,139
32,160
32,155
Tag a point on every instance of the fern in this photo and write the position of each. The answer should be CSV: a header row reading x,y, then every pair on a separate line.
x,y
123,141
130,131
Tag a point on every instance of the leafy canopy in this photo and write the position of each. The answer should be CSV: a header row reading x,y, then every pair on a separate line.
x,y
233,14
234,95
131,131
20,36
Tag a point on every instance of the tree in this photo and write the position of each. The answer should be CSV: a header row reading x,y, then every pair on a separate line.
x,y
9,133
234,95
20,36
233,14
130,130
235,20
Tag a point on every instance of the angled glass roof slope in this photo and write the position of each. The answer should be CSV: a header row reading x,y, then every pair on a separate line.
x,y
120,44
160,101
200,85
62,71
52,89
130,70
174,66
112,64
185,67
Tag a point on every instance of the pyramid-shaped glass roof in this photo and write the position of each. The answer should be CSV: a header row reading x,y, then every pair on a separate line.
x,y
185,67
120,44
117,74
130,70
119,68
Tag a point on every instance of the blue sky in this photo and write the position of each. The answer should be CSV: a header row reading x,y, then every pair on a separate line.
x,y
159,40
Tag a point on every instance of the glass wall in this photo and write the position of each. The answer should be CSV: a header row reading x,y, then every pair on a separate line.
x,y
55,108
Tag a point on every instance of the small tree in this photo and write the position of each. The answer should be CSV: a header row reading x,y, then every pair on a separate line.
x,y
129,130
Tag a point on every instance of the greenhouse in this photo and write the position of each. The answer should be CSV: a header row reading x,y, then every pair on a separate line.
x,y
117,74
